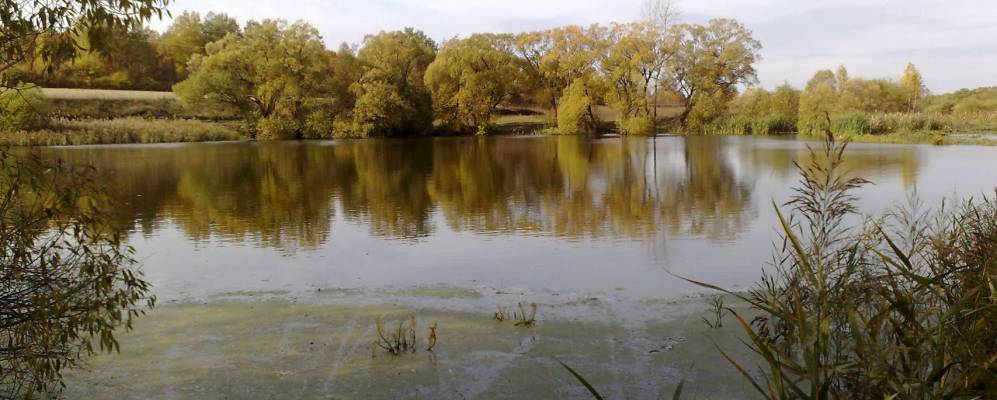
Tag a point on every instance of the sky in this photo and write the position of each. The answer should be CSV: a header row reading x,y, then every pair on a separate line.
x,y
952,42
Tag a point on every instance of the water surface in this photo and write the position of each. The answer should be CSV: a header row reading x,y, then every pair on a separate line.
x,y
550,215
271,260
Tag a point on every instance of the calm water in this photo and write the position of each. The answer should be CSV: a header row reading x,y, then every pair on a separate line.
x,y
609,217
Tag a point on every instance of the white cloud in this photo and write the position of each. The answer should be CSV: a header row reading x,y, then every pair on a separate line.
x,y
954,43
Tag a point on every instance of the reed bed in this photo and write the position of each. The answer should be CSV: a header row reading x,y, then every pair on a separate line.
x,y
903,306
744,125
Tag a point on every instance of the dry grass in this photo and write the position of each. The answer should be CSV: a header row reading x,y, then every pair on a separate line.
x,y
101,94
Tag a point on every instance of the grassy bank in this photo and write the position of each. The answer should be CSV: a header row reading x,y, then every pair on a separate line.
x,y
929,128
123,130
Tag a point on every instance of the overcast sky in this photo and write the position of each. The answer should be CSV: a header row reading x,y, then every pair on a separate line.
x,y
952,42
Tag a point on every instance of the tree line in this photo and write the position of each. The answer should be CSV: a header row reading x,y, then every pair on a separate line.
x,y
828,96
284,82
637,77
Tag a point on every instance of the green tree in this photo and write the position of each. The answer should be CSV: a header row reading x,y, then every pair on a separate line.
x,y
820,97
710,61
470,78
65,278
531,48
913,87
391,96
23,108
633,67
785,102
270,74
189,34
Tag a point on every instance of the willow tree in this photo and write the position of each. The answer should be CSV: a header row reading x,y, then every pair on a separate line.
x,y
470,78
710,61
633,66
391,95
559,58
269,74
571,64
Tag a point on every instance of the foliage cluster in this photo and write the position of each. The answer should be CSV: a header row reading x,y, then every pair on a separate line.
x,y
119,56
23,107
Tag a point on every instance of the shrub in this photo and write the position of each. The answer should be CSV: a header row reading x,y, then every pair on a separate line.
x,y
276,127
573,112
23,107
637,125
318,125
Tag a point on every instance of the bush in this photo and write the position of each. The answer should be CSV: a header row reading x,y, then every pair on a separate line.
x,y
573,112
276,127
318,125
637,125
23,108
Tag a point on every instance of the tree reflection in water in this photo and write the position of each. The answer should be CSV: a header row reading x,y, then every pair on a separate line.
x,y
286,195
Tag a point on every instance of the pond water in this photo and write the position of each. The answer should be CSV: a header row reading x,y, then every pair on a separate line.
x,y
595,229
551,214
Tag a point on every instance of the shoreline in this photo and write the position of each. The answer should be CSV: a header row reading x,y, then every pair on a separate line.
x,y
224,132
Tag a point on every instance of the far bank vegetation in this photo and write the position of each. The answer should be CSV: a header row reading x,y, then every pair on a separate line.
x,y
274,79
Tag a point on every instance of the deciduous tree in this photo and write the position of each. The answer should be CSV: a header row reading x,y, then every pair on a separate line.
x,y
392,98
269,73
710,61
470,78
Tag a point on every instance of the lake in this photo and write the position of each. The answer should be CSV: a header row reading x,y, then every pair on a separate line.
x,y
270,261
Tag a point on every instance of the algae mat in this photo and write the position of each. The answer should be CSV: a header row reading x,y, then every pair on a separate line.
x,y
282,349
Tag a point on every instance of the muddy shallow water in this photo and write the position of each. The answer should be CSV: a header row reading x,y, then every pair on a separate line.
x,y
270,260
